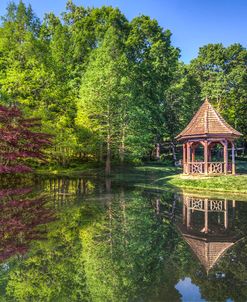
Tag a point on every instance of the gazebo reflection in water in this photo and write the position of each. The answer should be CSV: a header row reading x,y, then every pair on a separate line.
x,y
208,227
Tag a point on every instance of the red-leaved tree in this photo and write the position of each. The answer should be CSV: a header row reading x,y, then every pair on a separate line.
x,y
20,141
21,217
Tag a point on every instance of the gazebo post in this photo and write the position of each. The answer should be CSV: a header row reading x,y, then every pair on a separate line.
x,y
193,149
233,159
226,215
184,158
188,217
233,209
205,157
226,155
206,216
188,157
184,213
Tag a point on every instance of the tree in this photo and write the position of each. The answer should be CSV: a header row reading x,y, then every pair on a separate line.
x,y
181,100
19,142
153,62
221,75
101,93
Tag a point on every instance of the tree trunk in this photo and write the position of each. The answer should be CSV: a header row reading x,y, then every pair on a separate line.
x,y
108,146
101,152
122,147
173,152
157,151
108,157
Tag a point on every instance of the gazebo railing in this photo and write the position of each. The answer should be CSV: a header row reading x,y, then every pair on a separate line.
x,y
216,167
212,168
196,168
199,203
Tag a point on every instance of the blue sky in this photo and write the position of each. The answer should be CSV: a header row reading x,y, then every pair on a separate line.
x,y
193,23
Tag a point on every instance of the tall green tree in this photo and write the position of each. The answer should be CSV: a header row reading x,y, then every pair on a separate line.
x,y
101,93
153,61
221,75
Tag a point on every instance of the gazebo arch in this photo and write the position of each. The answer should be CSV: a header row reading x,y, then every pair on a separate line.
x,y
208,128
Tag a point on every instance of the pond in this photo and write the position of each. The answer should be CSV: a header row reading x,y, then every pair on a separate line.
x,y
89,239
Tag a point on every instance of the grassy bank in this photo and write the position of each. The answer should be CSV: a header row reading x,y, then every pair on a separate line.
x,y
72,171
151,170
228,183
225,183
158,176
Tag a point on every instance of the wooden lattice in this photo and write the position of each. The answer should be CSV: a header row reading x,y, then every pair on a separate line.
x,y
216,168
216,205
197,203
197,168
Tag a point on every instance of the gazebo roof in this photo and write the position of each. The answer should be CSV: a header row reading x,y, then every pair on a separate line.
x,y
207,122
206,251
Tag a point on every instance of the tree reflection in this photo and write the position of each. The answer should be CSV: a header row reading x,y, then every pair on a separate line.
x,y
118,244
20,218
126,252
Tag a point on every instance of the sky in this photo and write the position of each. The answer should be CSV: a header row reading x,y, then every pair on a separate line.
x,y
193,23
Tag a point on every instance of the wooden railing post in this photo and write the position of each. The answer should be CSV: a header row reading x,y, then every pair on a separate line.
x,y
206,157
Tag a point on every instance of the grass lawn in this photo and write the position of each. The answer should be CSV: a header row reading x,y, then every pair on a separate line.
x,y
228,183
225,183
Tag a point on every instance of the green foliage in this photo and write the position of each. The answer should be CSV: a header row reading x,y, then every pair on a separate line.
x,y
109,89
54,271
221,75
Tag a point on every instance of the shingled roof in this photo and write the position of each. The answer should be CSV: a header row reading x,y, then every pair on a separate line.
x,y
207,252
208,249
207,122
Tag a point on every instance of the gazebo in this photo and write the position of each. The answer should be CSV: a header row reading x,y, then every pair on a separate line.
x,y
208,129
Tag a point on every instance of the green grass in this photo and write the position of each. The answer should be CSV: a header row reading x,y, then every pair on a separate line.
x,y
228,183
225,183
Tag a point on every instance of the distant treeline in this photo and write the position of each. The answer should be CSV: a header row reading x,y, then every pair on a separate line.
x,y
109,89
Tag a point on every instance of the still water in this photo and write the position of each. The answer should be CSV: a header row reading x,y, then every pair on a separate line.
x,y
98,240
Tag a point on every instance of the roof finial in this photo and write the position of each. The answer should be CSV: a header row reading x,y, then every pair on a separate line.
x,y
207,100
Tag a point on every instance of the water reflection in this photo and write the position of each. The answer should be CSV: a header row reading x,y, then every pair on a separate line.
x,y
110,242
215,230
21,217
208,227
